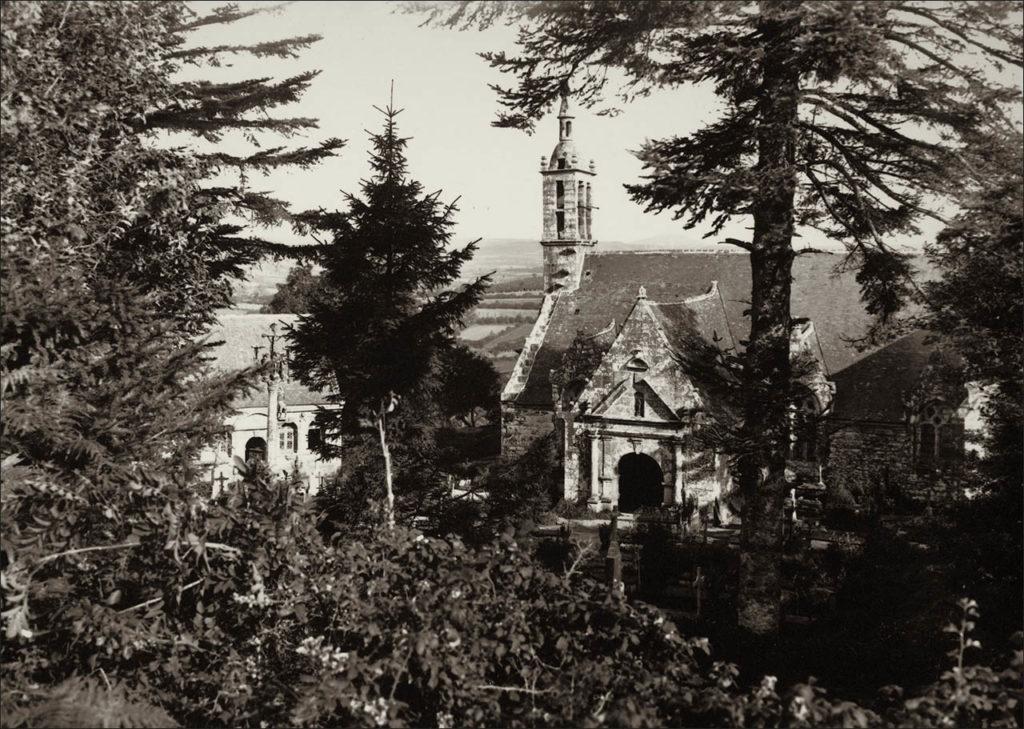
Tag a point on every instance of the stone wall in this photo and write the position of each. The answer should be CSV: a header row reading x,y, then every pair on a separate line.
x,y
864,458
522,426
874,461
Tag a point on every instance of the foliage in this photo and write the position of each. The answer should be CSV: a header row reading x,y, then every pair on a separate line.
x,y
967,695
980,251
293,296
380,318
578,363
524,487
116,252
372,330
469,385
848,118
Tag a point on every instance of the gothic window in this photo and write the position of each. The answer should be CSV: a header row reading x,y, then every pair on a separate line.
x,y
639,406
287,437
939,434
804,436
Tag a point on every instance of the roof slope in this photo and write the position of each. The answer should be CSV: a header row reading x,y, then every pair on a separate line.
x,y
877,387
238,334
609,287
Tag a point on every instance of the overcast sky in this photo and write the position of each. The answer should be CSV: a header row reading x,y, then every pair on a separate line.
x,y
442,85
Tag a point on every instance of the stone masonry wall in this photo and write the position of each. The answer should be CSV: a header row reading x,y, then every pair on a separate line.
x,y
871,460
521,427
864,458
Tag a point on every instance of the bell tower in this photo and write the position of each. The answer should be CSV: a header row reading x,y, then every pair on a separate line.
x,y
568,209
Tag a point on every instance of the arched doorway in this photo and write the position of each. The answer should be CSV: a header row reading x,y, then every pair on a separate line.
x,y
639,482
255,450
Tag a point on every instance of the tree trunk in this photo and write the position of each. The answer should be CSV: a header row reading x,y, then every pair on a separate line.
x,y
768,370
390,492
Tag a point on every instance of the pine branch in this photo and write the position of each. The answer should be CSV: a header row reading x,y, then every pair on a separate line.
x,y
284,48
995,52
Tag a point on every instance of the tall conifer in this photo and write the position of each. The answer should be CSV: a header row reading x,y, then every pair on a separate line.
x,y
376,321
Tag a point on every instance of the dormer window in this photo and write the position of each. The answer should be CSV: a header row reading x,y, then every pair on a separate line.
x,y
639,405
561,163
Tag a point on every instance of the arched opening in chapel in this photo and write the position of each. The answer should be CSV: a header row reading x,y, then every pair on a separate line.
x,y
255,450
640,482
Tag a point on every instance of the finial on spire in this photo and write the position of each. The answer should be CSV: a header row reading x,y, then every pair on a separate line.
x,y
563,92
641,293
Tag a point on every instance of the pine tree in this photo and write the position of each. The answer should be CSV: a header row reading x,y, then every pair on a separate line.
x,y
376,324
849,118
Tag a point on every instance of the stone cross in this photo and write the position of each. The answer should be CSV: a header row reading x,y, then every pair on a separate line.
x,y
220,480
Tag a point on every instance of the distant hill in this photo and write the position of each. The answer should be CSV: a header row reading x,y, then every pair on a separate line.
x,y
506,258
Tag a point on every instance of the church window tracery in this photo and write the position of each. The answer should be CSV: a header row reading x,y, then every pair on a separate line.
x,y
939,434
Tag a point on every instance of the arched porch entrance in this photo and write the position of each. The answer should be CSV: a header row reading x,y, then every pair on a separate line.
x,y
255,450
640,482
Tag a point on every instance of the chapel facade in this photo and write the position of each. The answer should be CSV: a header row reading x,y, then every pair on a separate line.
x,y
608,368
628,420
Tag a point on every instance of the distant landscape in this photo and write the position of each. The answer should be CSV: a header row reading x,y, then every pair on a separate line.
x,y
507,259
499,326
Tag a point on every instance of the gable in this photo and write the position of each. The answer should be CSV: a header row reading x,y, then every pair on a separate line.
x,y
608,291
879,386
640,359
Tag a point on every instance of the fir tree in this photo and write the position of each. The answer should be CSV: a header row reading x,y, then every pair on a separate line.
x,y
375,325
846,117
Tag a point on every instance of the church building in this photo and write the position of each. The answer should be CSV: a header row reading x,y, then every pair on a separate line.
x,y
274,423
604,365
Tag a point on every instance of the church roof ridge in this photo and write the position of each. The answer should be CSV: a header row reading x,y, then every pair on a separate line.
x,y
711,293
662,251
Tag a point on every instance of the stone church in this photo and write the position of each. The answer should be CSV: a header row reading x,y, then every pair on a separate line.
x,y
627,422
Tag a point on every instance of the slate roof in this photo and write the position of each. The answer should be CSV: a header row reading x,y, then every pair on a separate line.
x,y
609,287
238,334
875,388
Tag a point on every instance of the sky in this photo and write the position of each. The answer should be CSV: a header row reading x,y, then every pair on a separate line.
x,y
442,87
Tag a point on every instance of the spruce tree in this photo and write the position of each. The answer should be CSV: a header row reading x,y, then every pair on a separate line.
x,y
849,118
376,323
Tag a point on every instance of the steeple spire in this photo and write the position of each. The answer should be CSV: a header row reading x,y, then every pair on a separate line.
x,y
565,117
568,206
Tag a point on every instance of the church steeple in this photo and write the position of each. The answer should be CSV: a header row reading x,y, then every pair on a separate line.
x,y
568,208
